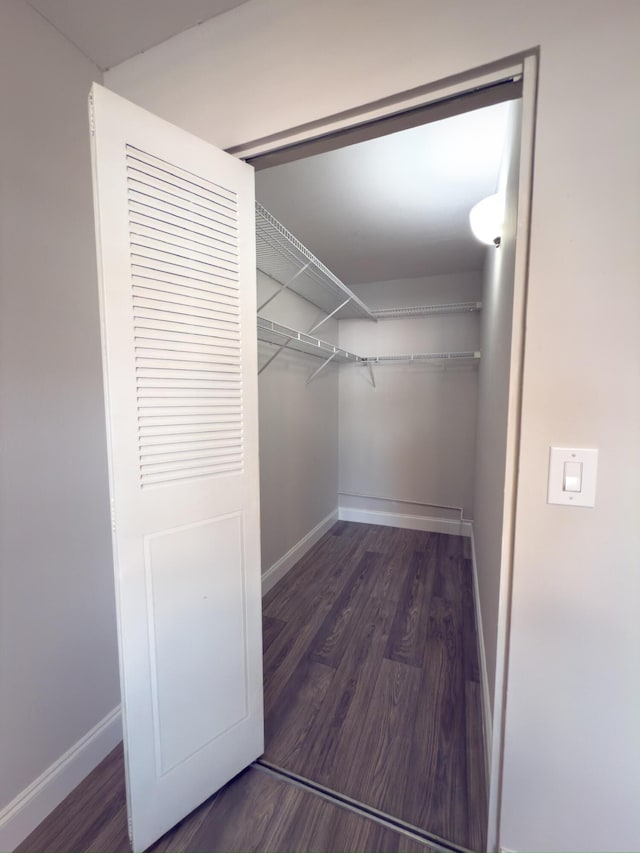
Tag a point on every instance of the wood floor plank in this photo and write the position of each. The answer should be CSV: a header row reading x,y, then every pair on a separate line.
x,y
343,528
320,576
281,601
408,634
267,814
425,582
466,547
271,627
306,613
254,812
287,728
476,776
322,761
377,774
347,706
397,554
286,653
98,807
331,640
468,626
437,799
449,581
390,578
254,800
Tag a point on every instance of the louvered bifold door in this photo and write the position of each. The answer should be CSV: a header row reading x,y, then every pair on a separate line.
x,y
176,257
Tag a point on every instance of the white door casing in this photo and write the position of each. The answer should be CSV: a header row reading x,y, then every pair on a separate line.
x,y
176,265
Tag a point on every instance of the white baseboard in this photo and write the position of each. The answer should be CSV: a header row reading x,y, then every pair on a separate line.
x,y
279,569
484,675
39,799
411,522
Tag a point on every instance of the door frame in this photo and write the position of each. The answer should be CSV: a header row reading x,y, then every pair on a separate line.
x,y
522,66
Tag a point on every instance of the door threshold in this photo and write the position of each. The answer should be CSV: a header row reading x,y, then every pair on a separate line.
x,y
435,842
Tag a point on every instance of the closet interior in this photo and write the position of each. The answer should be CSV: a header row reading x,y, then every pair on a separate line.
x,y
369,354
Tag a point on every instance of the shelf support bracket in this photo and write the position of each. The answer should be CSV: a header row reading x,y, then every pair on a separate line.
x,y
329,316
373,378
321,368
275,355
284,286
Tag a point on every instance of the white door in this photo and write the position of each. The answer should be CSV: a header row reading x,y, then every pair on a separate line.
x,y
176,259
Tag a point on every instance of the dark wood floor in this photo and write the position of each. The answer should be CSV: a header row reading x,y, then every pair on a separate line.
x,y
371,676
371,689
254,812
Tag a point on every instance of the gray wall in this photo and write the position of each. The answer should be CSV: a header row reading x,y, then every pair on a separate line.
x,y
58,658
572,743
298,431
493,394
411,437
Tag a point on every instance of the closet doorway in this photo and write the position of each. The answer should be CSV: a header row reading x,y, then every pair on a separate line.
x,y
391,442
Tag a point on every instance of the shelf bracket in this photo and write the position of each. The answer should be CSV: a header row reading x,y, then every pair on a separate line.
x,y
284,286
321,368
275,355
373,378
329,316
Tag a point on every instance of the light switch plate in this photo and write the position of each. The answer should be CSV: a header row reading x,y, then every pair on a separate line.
x,y
588,458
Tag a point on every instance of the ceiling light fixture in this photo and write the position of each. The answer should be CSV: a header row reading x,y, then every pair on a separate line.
x,y
486,219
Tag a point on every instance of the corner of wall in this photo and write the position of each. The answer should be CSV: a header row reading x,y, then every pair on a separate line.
x,y
21,816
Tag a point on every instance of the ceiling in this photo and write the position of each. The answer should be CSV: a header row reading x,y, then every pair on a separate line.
x,y
110,31
394,207
390,208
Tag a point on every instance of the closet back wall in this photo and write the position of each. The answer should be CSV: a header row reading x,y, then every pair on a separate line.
x,y
298,431
412,437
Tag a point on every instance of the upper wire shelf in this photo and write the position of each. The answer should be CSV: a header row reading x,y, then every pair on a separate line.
x,y
282,257
425,310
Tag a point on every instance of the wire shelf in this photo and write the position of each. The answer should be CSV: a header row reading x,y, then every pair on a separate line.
x,y
276,333
423,356
282,257
425,310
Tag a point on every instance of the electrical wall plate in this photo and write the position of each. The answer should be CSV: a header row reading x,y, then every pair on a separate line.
x,y
572,476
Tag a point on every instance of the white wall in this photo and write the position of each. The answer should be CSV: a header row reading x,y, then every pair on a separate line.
x,y
58,659
572,747
298,431
411,437
410,292
493,396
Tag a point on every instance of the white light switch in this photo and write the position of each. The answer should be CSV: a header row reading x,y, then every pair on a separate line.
x,y
572,476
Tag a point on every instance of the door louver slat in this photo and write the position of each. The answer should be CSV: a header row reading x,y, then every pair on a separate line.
x,y
186,323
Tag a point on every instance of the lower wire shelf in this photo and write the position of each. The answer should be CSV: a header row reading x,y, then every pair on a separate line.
x,y
284,337
276,333
423,356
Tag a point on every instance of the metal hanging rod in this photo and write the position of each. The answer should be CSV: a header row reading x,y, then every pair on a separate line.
x,y
425,310
286,260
